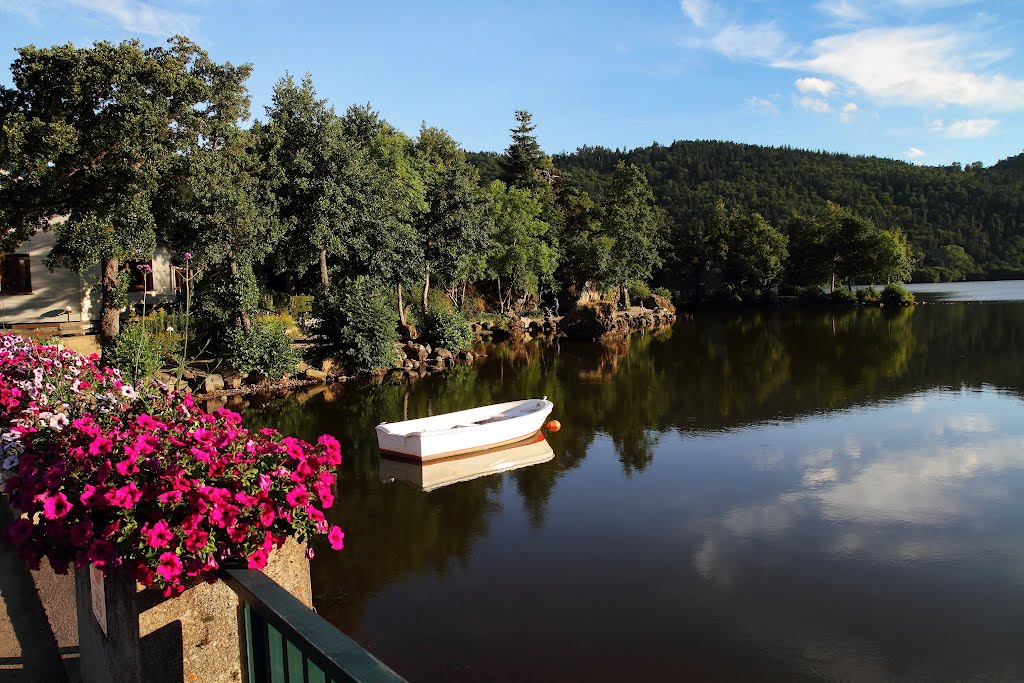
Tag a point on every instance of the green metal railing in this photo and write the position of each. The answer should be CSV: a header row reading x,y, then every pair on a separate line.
x,y
287,642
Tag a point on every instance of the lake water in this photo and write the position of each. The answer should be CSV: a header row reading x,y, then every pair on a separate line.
x,y
747,496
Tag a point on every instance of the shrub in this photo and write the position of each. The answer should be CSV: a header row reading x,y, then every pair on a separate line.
x,y
897,295
265,348
662,291
638,289
813,296
448,329
868,296
176,491
136,352
844,297
357,321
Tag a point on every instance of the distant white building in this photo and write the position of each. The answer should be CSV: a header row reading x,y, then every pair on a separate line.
x,y
31,293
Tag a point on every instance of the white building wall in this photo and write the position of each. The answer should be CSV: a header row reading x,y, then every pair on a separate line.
x,y
53,293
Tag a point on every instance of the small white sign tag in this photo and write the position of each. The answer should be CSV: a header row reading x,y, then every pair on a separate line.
x,y
99,597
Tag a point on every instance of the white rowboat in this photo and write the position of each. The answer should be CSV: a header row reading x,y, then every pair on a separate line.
x,y
465,431
434,474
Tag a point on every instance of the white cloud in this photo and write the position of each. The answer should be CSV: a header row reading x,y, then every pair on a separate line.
x,y
925,65
916,153
848,112
818,106
133,16
842,10
699,11
761,104
970,128
815,85
764,41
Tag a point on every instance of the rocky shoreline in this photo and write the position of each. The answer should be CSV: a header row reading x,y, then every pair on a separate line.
x,y
597,321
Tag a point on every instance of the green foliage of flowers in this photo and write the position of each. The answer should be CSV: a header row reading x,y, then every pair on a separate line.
x,y
897,295
356,321
136,352
265,348
448,329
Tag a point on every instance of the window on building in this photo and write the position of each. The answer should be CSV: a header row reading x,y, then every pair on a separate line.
x,y
179,280
140,276
16,275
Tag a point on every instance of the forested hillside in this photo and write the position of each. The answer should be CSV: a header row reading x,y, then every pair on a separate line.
x,y
978,209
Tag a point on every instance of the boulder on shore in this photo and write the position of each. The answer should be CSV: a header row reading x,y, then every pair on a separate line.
x,y
656,301
593,321
213,383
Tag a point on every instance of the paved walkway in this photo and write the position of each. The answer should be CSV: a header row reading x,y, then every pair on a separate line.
x,y
38,626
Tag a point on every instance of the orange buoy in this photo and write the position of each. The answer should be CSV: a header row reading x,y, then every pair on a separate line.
x,y
553,426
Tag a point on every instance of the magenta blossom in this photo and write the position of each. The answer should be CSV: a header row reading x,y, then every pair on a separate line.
x,y
54,506
336,537
169,567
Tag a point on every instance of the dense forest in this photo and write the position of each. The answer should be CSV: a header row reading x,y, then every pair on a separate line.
x,y
116,148
978,209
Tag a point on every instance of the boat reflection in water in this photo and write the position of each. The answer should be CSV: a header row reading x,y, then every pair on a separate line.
x,y
434,474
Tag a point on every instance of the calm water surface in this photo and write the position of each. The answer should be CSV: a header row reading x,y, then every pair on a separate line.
x,y
748,496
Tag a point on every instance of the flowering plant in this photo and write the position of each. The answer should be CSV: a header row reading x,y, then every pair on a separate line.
x,y
107,473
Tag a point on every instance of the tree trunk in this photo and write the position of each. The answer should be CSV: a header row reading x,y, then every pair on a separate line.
x,y
426,287
241,316
833,283
110,308
401,304
323,270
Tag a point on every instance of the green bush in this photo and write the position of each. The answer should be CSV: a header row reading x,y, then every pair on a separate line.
x,y
868,296
897,295
813,296
638,289
663,291
448,329
844,297
135,352
265,348
357,321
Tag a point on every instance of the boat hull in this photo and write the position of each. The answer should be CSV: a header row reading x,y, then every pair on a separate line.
x,y
439,472
465,431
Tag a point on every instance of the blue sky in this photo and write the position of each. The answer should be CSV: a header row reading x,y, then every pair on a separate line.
x,y
929,81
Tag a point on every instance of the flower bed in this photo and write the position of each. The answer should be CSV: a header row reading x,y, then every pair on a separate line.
x,y
108,473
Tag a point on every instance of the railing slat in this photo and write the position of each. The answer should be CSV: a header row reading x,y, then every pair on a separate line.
x,y
315,674
275,643
330,653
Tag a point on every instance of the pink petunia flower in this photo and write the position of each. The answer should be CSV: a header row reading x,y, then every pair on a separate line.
x,y
159,535
168,567
55,506
336,537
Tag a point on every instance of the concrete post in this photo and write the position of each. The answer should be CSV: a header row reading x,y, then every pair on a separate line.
x,y
114,656
192,637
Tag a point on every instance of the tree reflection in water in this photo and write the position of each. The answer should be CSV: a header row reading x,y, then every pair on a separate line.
x,y
710,373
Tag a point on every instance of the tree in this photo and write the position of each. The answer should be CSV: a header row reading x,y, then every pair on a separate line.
x,y
893,260
956,264
701,246
756,255
520,258
391,195
526,165
452,229
219,205
585,251
809,263
633,221
310,164
87,134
